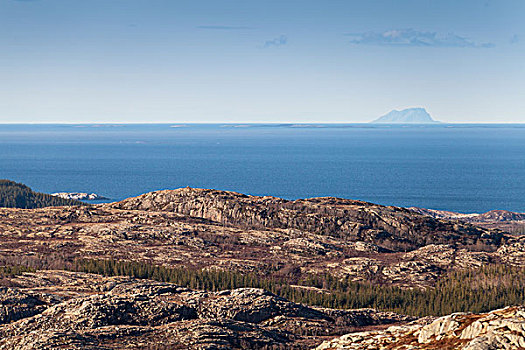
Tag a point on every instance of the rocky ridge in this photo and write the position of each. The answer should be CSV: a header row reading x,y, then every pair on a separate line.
x,y
392,228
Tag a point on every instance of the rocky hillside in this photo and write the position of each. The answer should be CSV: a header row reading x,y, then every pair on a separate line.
x,y
499,329
392,228
205,269
505,220
57,309
350,240
490,216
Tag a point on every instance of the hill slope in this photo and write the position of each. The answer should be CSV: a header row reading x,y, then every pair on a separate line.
x,y
505,220
498,329
392,228
84,311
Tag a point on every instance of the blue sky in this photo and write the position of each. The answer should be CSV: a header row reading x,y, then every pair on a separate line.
x,y
260,61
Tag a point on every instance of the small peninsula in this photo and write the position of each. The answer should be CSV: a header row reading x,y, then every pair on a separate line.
x,y
406,116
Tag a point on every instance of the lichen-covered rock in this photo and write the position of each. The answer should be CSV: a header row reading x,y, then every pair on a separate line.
x,y
358,268
499,329
412,272
120,312
15,305
391,227
252,305
513,251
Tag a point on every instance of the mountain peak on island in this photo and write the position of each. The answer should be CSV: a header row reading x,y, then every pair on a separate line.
x,y
406,116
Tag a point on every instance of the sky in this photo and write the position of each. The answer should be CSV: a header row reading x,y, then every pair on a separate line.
x,y
244,61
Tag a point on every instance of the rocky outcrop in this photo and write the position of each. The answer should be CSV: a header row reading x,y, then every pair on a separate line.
x,y
254,306
444,214
445,256
513,252
15,305
489,216
499,329
79,196
357,268
505,220
392,228
121,312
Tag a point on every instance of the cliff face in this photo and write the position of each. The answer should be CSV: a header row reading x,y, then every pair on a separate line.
x,y
392,228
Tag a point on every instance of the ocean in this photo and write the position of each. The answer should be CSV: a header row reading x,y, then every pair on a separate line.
x,y
459,167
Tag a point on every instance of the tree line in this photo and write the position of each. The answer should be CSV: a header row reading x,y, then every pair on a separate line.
x,y
17,195
477,290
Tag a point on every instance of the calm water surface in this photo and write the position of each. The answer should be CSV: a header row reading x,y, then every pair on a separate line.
x,y
466,168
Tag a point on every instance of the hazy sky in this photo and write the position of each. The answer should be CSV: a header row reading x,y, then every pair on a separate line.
x,y
260,61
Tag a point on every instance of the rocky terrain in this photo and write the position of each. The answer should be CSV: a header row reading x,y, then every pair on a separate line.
x,y
490,216
57,309
343,241
499,329
500,219
392,228
230,231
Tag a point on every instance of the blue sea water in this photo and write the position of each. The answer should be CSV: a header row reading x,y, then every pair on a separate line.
x,y
465,168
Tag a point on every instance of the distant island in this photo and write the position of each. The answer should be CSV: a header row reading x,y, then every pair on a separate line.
x,y
406,116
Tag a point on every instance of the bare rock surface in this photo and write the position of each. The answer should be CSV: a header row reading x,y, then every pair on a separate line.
x,y
489,216
392,227
121,313
15,305
513,252
499,329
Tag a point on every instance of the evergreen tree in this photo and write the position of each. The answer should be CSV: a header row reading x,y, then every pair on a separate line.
x,y
17,195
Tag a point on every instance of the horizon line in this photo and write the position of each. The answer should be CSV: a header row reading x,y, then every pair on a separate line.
x,y
261,123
